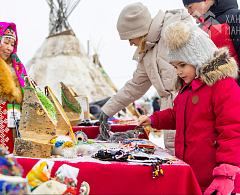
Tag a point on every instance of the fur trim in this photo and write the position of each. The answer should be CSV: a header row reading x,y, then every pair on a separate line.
x,y
176,35
9,90
220,67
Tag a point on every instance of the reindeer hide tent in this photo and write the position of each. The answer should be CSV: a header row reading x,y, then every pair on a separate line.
x,y
62,58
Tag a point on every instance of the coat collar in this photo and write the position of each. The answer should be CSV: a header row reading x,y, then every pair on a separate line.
x,y
194,85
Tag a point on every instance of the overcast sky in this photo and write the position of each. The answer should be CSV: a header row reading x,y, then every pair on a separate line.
x,y
92,20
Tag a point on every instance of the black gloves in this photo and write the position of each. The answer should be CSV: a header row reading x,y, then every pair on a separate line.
x,y
104,126
103,118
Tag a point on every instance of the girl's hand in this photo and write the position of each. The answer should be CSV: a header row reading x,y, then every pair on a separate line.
x,y
144,120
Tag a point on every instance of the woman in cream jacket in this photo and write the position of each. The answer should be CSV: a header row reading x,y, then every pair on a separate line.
x,y
136,25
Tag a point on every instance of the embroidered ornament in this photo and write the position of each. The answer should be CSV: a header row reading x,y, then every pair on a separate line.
x,y
81,136
195,99
9,33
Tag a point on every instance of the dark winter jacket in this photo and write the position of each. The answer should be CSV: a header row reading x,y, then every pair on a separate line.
x,y
156,106
206,116
222,23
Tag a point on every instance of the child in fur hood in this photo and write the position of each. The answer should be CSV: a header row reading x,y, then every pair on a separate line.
x,y
206,112
12,74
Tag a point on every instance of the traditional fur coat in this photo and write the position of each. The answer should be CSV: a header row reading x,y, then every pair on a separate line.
x,y
10,88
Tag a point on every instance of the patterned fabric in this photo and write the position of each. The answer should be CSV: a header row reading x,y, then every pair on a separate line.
x,y
10,33
6,137
19,68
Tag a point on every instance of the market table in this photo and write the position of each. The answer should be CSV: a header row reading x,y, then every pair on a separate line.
x,y
93,131
106,177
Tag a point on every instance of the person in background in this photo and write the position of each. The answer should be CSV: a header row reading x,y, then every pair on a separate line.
x,y
155,104
206,112
220,19
136,25
139,108
12,74
144,110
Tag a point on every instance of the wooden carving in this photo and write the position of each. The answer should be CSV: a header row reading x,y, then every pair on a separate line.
x,y
36,127
29,148
62,122
73,116
35,122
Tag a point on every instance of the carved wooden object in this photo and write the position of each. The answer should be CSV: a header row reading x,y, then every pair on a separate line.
x,y
62,122
73,116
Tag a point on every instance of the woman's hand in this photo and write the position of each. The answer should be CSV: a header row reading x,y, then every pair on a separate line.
x,y
144,120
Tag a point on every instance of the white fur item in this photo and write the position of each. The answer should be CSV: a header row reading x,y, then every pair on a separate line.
x,y
176,35
58,151
69,152
83,149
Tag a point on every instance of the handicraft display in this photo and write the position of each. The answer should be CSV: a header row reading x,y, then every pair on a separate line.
x,y
38,124
11,181
64,182
70,105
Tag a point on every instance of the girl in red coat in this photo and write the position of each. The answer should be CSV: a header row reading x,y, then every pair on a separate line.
x,y
206,112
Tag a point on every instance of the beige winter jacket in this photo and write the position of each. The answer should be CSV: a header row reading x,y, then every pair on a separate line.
x,y
153,69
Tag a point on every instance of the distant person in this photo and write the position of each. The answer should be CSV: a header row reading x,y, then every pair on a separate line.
x,y
144,110
206,112
12,74
220,19
139,108
155,104
136,25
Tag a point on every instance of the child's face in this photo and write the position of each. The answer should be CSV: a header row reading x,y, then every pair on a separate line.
x,y
186,71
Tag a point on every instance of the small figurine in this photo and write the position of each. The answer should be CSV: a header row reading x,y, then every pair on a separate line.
x,y
81,136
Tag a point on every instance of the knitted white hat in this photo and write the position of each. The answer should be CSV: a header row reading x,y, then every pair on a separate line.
x,y
134,21
186,45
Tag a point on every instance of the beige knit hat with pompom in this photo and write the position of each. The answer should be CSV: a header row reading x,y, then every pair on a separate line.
x,y
186,45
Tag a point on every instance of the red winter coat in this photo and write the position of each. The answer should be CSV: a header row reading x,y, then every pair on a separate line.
x,y
206,116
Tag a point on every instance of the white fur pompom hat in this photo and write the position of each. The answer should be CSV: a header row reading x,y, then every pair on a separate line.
x,y
186,45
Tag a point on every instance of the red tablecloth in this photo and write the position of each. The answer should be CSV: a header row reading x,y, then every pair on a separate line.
x,y
122,178
93,131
